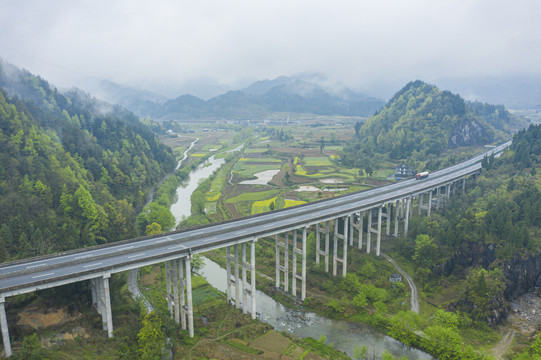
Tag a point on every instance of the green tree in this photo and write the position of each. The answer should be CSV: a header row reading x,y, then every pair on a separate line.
x,y
151,339
426,251
153,229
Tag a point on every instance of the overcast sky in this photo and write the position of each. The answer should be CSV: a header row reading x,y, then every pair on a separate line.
x,y
160,43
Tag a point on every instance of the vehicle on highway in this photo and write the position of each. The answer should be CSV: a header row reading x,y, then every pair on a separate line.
x,y
421,175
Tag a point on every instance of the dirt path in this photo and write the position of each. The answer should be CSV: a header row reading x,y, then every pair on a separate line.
x,y
505,343
414,298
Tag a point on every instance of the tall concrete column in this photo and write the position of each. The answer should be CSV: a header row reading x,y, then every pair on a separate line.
x,y
237,278
107,301
429,203
351,229
361,225
318,247
303,264
438,197
168,287
345,250
99,294
327,239
396,204
183,308
378,243
277,283
406,218
463,185
448,191
294,263
93,291
244,282
335,248
369,232
389,207
189,295
286,262
228,272
4,325
176,300
252,266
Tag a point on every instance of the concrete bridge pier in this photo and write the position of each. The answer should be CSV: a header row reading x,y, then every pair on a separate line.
x,y
337,237
387,214
189,295
302,253
397,205
104,303
319,252
4,325
407,215
176,299
429,202
93,292
360,229
376,231
182,280
252,274
282,268
168,287
378,239
233,280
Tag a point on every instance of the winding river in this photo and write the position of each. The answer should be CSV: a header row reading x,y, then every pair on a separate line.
x,y
343,334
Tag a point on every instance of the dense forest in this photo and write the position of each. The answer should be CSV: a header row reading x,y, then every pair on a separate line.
x,y
422,122
490,236
75,171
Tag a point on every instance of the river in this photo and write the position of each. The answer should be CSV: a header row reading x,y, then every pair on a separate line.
x,y
344,335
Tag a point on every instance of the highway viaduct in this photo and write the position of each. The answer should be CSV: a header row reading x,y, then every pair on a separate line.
x,y
378,207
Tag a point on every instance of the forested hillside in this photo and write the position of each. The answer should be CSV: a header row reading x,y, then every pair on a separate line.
x,y
421,120
74,170
491,236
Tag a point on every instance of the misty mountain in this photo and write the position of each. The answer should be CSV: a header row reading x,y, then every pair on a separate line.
x,y
300,94
141,102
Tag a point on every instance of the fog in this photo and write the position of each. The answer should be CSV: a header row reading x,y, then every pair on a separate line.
x,y
170,46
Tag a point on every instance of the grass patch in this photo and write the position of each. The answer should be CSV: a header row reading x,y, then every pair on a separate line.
x,y
262,206
198,155
252,196
317,161
260,160
290,203
248,170
242,347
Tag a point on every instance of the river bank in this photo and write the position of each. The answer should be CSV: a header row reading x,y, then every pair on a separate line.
x,y
345,335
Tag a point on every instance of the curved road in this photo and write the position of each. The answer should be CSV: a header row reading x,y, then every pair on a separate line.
x,y
38,273
414,298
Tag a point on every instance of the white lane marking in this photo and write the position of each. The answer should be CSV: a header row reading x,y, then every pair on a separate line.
x,y
136,255
162,240
38,276
177,247
83,257
92,265
35,266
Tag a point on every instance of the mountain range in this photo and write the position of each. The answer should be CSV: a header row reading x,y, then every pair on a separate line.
x,y
296,94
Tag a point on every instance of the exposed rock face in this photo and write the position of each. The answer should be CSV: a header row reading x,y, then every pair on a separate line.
x,y
468,134
471,254
521,274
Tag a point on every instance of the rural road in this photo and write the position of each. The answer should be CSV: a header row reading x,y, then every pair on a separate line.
x,y
414,300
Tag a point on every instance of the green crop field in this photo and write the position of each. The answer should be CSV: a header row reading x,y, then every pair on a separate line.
x,y
252,196
317,161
